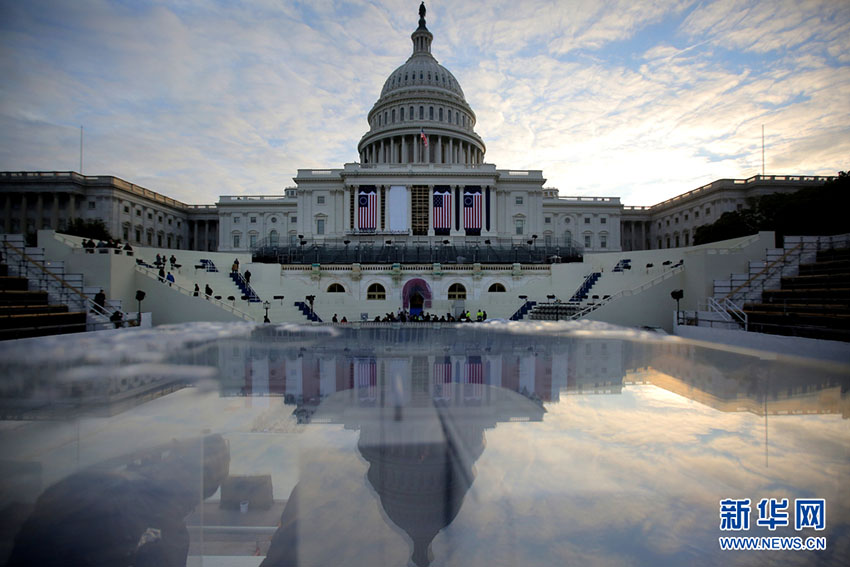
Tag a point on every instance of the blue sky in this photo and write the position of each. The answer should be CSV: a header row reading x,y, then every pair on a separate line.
x,y
638,100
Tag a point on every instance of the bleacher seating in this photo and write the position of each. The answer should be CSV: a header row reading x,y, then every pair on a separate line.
x,y
25,313
815,303
208,265
622,265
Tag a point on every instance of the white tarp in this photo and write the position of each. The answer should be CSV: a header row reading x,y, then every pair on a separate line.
x,y
399,204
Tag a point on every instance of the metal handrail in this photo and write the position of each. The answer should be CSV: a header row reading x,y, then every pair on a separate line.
x,y
191,292
770,267
627,292
88,304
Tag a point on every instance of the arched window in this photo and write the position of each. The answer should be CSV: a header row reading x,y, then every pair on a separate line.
x,y
421,113
336,288
441,114
430,113
449,116
401,114
393,115
376,291
457,291
274,238
497,288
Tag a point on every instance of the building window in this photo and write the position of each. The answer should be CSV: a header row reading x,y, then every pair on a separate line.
x,y
138,212
518,200
336,288
320,200
603,241
708,210
126,209
586,220
687,239
696,214
676,220
430,113
547,220
236,220
150,239
739,207
252,239
150,216
320,226
604,220
253,220
138,235
92,205
393,115
293,219
274,220
179,224
376,291
457,291
686,217
441,114
159,240
159,219
668,222
421,112
496,288
520,226
236,238
169,221
401,114
273,238
449,116
587,241
126,232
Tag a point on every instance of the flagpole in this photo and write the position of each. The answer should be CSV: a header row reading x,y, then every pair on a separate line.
x,y
81,150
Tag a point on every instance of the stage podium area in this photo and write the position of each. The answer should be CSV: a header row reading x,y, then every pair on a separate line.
x,y
386,249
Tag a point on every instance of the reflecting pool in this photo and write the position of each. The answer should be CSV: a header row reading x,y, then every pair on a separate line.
x,y
490,444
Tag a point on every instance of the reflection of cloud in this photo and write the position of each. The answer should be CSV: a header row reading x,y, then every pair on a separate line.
x,y
202,100
637,479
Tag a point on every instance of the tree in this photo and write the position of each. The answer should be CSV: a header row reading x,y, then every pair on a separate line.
x,y
811,211
93,228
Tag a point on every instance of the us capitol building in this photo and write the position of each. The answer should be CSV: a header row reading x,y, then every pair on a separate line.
x,y
422,181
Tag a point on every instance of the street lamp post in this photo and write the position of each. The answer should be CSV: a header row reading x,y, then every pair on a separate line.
x,y
140,295
266,306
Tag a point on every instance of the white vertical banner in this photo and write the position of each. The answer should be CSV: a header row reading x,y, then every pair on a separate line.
x,y
294,372
397,371
398,208
493,369
526,373
327,376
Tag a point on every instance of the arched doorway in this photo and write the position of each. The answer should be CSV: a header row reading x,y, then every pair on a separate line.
x,y
416,293
417,301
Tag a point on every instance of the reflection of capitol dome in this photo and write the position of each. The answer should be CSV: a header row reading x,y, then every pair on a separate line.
x,y
422,484
421,96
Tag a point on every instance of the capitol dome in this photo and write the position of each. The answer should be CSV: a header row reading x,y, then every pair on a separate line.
x,y
421,115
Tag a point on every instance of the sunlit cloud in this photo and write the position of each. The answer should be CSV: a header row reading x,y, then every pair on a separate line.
x,y
641,101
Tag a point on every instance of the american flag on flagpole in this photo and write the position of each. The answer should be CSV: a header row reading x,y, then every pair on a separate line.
x,y
472,210
423,136
473,377
367,210
443,378
443,210
366,378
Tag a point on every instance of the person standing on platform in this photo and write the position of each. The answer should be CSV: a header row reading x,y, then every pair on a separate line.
x,y
247,276
197,291
169,278
208,291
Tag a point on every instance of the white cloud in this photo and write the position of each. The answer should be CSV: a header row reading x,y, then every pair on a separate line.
x,y
642,101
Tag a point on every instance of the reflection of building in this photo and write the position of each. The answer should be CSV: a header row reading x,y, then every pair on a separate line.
x,y
380,362
421,178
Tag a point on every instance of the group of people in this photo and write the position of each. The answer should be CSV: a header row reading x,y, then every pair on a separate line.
x,y
208,291
89,245
117,317
403,316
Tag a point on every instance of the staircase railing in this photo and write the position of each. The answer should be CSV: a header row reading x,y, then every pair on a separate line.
x,y
626,293
728,311
191,292
58,290
746,292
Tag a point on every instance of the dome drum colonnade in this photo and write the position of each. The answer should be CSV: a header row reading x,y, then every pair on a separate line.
x,y
421,115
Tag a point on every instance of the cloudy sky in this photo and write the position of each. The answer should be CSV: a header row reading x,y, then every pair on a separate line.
x,y
641,100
